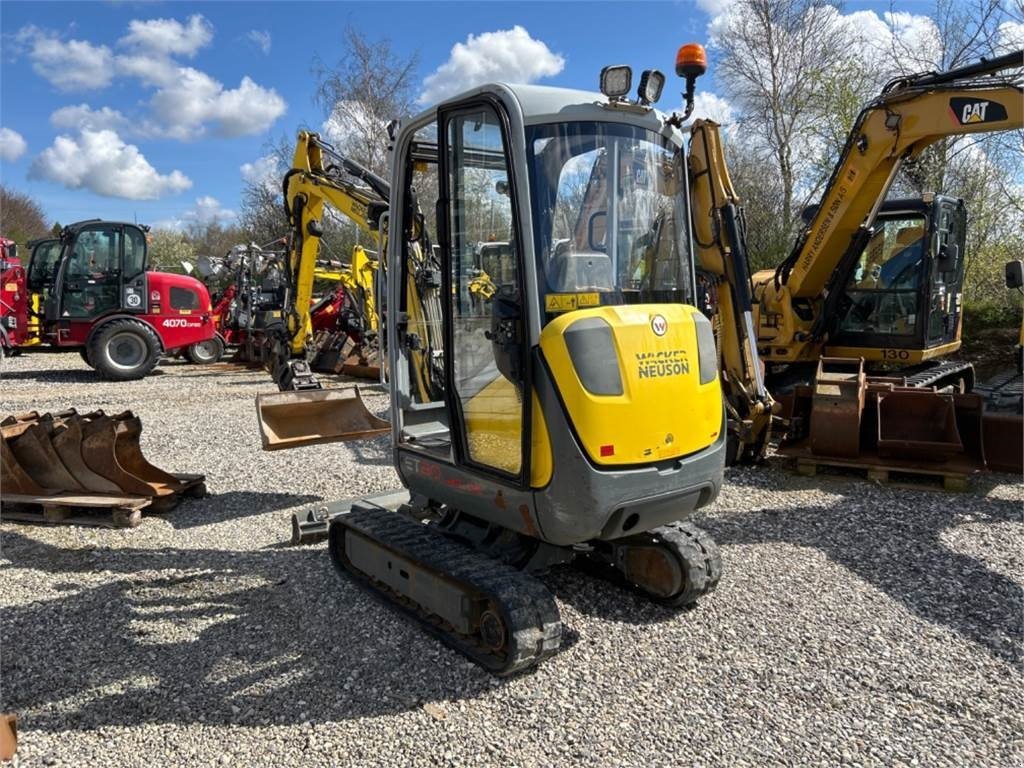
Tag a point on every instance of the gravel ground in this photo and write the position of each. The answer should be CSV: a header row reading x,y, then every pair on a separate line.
x,y
855,623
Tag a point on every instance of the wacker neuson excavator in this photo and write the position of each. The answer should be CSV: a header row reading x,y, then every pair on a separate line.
x,y
570,411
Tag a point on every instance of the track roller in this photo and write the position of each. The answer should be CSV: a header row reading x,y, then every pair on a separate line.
x,y
674,565
498,616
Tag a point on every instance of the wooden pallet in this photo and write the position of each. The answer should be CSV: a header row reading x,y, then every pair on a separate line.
x,y
72,508
107,511
895,476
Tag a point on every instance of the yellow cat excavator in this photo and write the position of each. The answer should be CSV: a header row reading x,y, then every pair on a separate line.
x,y
867,279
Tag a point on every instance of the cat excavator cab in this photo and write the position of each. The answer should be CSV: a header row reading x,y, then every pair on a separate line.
x,y
571,409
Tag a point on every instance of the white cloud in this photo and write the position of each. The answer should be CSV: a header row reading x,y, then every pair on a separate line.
x,y
508,55
206,211
1010,37
83,116
168,37
101,162
710,106
12,145
195,98
153,71
265,171
70,65
186,101
262,39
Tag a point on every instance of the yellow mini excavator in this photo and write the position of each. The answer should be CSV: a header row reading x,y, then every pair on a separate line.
x,y
566,408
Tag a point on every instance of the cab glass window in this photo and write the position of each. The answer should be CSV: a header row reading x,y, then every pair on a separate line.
x,y
184,298
610,213
134,253
884,289
42,269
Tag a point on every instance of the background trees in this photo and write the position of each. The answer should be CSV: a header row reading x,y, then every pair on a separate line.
x,y
21,217
797,73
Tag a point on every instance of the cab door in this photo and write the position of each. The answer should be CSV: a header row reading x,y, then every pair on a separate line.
x,y
485,368
946,272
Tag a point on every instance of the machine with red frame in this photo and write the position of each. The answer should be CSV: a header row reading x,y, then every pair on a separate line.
x,y
90,289
13,303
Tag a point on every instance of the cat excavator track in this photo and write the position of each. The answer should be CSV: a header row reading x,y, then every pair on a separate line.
x,y
500,617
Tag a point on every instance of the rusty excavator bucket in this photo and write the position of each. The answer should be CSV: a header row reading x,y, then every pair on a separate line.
x,y
293,419
93,460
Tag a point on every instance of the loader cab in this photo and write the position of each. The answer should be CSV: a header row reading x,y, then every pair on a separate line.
x,y
904,296
576,209
101,269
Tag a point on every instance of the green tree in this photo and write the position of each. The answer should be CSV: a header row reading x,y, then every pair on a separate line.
x,y
21,216
168,248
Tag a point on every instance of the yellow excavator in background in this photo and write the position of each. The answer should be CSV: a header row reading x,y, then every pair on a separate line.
x,y
320,178
867,279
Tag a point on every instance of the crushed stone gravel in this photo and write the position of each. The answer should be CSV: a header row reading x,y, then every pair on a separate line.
x,y
855,623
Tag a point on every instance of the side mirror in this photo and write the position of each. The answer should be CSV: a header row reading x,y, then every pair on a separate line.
x,y
1015,274
506,335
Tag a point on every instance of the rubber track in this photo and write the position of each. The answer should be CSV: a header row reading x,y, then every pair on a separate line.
x,y
530,614
933,375
701,560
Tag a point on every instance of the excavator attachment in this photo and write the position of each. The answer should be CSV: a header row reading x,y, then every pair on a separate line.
x,y
293,419
60,462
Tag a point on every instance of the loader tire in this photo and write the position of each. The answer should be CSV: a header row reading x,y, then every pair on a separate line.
x,y
124,350
205,352
84,352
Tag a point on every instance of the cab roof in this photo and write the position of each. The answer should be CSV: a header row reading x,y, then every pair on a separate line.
x,y
548,104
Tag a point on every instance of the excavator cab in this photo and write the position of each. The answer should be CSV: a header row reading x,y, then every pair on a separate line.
x,y
518,403
905,294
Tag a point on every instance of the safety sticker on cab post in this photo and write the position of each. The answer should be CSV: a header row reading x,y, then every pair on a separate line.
x,y
567,302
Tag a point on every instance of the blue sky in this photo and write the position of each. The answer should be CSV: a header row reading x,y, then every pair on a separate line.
x,y
193,91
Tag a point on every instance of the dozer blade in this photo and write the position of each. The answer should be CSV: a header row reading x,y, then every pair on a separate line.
x,y
292,419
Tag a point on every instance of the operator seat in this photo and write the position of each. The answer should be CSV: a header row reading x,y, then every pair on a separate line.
x,y
571,271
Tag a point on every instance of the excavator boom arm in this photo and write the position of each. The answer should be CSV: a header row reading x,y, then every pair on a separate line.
x,y
895,127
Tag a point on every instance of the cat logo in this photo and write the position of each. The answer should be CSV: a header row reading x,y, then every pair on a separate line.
x,y
973,112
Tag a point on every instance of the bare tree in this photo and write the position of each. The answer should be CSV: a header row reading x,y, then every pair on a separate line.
x,y
370,86
774,57
261,213
21,217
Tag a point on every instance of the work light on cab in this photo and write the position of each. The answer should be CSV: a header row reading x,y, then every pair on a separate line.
x,y
616,81
652,82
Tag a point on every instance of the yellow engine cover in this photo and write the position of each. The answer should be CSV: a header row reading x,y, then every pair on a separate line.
x,y
662,409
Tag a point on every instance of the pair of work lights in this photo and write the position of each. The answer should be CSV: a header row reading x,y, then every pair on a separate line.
x,y
618,79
